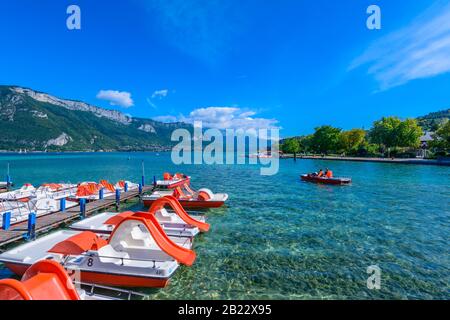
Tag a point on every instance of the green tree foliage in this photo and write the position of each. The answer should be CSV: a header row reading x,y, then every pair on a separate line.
x,y
291,146
306,143
433,121
393,132
442,138
326,139
350,141
409,133
22,129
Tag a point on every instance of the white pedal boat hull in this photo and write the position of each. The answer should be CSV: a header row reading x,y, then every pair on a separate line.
x,y
174,227
128,261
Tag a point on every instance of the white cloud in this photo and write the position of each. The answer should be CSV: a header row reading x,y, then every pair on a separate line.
x,y
160,94
225,118
116,98
420,50
150,102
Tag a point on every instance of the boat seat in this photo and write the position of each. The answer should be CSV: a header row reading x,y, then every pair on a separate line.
x,y
164,216
142,239
107,254
164,213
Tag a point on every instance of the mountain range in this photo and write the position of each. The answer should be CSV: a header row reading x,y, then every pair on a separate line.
x,y
36,121
432,121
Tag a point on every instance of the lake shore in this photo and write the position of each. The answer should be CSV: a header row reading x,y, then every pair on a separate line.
x,y
379,160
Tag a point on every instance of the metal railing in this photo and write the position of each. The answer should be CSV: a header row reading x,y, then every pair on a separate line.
x,y
130,295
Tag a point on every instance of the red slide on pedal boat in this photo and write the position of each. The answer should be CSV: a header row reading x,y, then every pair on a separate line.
x,y
45,280
137,254
178,186
325,180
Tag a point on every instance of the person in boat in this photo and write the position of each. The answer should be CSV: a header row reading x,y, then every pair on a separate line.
x,y
329,173
319,174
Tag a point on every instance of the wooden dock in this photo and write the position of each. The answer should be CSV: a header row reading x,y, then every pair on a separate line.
x,y
45,223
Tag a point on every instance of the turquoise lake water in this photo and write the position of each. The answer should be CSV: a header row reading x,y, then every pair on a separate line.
x,y
280,238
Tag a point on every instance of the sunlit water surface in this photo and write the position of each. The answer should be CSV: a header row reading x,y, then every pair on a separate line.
x,y
280,238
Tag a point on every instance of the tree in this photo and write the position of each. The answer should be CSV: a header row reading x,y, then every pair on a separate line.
x,y
408,134
291,146
384,131
306,143
350,141
326,139
442,137
392,132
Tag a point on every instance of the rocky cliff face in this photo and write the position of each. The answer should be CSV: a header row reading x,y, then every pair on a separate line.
x,y
34,120
62,140
74,105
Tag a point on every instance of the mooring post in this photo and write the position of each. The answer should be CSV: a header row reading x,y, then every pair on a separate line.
x,y
140,188
143,174
154,181
101,194
62,204
31,234
126,187
8,178
6,221
82,208
117,198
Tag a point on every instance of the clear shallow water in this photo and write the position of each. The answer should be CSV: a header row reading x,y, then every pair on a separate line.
x,y
280,238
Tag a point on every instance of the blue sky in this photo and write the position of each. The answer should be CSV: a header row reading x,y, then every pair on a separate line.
x,y
290,64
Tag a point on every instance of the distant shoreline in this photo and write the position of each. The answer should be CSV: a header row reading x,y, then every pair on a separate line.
x,y
378,160
74,151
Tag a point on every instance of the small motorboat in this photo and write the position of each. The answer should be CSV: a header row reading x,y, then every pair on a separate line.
x,y
325,180
137,254
48,280
175,224
188,198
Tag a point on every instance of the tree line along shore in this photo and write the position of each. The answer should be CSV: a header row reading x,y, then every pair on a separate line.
x,y
389,137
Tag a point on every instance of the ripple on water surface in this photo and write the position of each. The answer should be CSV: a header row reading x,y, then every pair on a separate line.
x,y
280,238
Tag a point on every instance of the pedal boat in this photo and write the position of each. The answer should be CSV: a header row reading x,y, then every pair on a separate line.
x,y
22,194
48,280
56,190
130,185
40,206
188,198
176,224
137,254
172,181
325,180
90,191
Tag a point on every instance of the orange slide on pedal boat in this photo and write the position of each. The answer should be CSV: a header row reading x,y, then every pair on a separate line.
x,y
179,210
137,254
45,280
